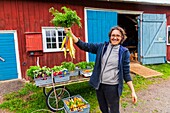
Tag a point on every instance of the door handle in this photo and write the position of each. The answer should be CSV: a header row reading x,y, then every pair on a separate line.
x,y
3,60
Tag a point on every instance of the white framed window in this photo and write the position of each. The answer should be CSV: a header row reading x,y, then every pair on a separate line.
x,y
168,35
52,38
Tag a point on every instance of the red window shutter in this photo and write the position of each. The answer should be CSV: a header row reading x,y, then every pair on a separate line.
x,y
34,42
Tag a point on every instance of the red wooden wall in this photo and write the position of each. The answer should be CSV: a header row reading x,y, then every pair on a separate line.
x,y
30,16
168,46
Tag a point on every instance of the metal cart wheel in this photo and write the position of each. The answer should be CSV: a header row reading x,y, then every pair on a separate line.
x,y
46,90
51,100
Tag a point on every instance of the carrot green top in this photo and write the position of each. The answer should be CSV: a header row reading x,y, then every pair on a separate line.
x,y
66,19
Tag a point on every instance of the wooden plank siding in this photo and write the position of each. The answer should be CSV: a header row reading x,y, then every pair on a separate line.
x,y
30,15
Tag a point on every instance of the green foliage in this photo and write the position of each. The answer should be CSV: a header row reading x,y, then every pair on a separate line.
x,y
68,65
35,71
57,68
31,70
66,19
124,104
45,70
163,68
91,64
82,65
13,104
85,65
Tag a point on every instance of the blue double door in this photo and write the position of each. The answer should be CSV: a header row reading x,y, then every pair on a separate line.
x,y
99,24
152,37
8,68
151,34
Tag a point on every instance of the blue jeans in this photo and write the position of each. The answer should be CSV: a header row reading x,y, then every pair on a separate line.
x,y
108,98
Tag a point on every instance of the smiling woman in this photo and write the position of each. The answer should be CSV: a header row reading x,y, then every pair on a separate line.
x,y
112,66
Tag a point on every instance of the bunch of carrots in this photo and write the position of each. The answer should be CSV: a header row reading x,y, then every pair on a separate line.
x,y
66,19
68,45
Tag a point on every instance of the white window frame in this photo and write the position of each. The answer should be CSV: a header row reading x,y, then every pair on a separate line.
x,y
45,49
168,35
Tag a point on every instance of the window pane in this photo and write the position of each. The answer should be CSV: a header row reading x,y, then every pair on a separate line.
x,y
48,39
54,45
53,33
53,39
48,45
64,33
47,33
60,33
60,45
60,39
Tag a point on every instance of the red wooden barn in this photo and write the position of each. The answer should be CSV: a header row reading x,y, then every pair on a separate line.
x,y
28,38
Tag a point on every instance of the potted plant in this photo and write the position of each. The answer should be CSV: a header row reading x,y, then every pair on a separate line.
x,y
42,76
30,71
57,70
43,72
60,73
86,68
71,67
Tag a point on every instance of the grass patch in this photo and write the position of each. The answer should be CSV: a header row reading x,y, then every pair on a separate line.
x,y
31,98
124,104
163,68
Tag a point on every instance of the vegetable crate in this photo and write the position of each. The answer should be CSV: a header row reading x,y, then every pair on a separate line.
x,y
86,72
40,81
76,104
48,80
74,73
62,78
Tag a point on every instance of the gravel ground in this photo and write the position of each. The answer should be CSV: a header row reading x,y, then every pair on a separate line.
x,y
154,99
10,86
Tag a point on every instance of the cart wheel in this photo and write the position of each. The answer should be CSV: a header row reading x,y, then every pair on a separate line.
x,y
51,100
47,90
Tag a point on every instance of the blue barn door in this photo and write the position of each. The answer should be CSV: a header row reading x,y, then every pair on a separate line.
x,y
152,38
99,24
8,68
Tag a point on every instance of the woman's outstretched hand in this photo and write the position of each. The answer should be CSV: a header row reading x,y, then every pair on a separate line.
x,y
133,94
67,29
134,98
75,39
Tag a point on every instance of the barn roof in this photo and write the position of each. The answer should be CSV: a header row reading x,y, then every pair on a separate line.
x,y
145,2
